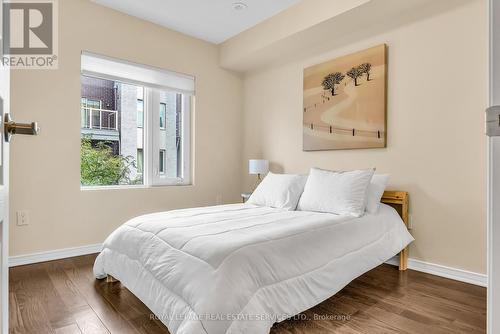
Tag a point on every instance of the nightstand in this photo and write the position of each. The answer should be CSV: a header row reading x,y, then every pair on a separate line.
x,y
245,197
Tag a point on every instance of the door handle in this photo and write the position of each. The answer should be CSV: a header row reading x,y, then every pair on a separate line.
x,y
13,128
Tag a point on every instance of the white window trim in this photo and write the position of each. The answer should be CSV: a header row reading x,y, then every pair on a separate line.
x,y
100,66
186,148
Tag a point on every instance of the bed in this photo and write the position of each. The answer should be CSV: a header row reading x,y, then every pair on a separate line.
x,y
240,268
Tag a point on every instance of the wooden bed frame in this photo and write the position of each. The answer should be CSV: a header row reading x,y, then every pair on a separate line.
x,y
399,201
396,199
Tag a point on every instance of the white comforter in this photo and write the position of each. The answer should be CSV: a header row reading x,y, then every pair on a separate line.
x,y
238,268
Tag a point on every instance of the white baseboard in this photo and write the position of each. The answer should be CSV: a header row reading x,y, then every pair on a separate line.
x,y
57,254
443,271
426,267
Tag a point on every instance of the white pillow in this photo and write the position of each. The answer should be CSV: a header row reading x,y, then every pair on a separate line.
x,y
342,193
375,192
279,191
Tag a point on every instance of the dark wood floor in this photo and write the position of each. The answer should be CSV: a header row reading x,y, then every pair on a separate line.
x,y
63,297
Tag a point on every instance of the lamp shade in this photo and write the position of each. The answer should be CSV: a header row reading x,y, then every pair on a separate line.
x,y
258,166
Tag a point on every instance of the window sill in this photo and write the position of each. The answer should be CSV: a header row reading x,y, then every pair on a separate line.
x,y
128,187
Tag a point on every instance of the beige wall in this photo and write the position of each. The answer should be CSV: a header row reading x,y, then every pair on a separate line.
x,y
437,93
45,170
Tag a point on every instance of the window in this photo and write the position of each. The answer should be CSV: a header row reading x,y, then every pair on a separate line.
x,y
170,140
91,103
89,114
140,160
140,113
163,115
85,114
140,131
161,167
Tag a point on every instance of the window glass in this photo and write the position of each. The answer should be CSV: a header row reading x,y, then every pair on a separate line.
x,y
140,113
140,160
111,143
170,140
163,115
161,167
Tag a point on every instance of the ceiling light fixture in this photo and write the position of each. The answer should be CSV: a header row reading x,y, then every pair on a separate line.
x,y
239,6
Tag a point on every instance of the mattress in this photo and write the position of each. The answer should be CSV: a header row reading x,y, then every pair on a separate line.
x,y
240,268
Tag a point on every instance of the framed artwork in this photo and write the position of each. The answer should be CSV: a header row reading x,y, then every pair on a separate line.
x,y
345,102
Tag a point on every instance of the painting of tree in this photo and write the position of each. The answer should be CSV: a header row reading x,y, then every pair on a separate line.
x,y
331,80
365,69
354,73
354,115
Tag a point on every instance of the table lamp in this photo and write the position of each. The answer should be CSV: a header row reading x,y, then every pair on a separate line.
x,y
259,168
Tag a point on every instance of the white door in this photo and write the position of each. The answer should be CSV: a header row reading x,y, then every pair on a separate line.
x,y
4,197
493,131
4,192
7,129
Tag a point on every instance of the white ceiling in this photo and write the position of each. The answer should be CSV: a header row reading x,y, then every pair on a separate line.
x,y
210,20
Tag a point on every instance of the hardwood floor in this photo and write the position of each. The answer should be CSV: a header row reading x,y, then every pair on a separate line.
x,y
63,297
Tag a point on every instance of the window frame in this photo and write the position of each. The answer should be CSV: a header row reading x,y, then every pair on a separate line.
x,y
151,130
154,131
